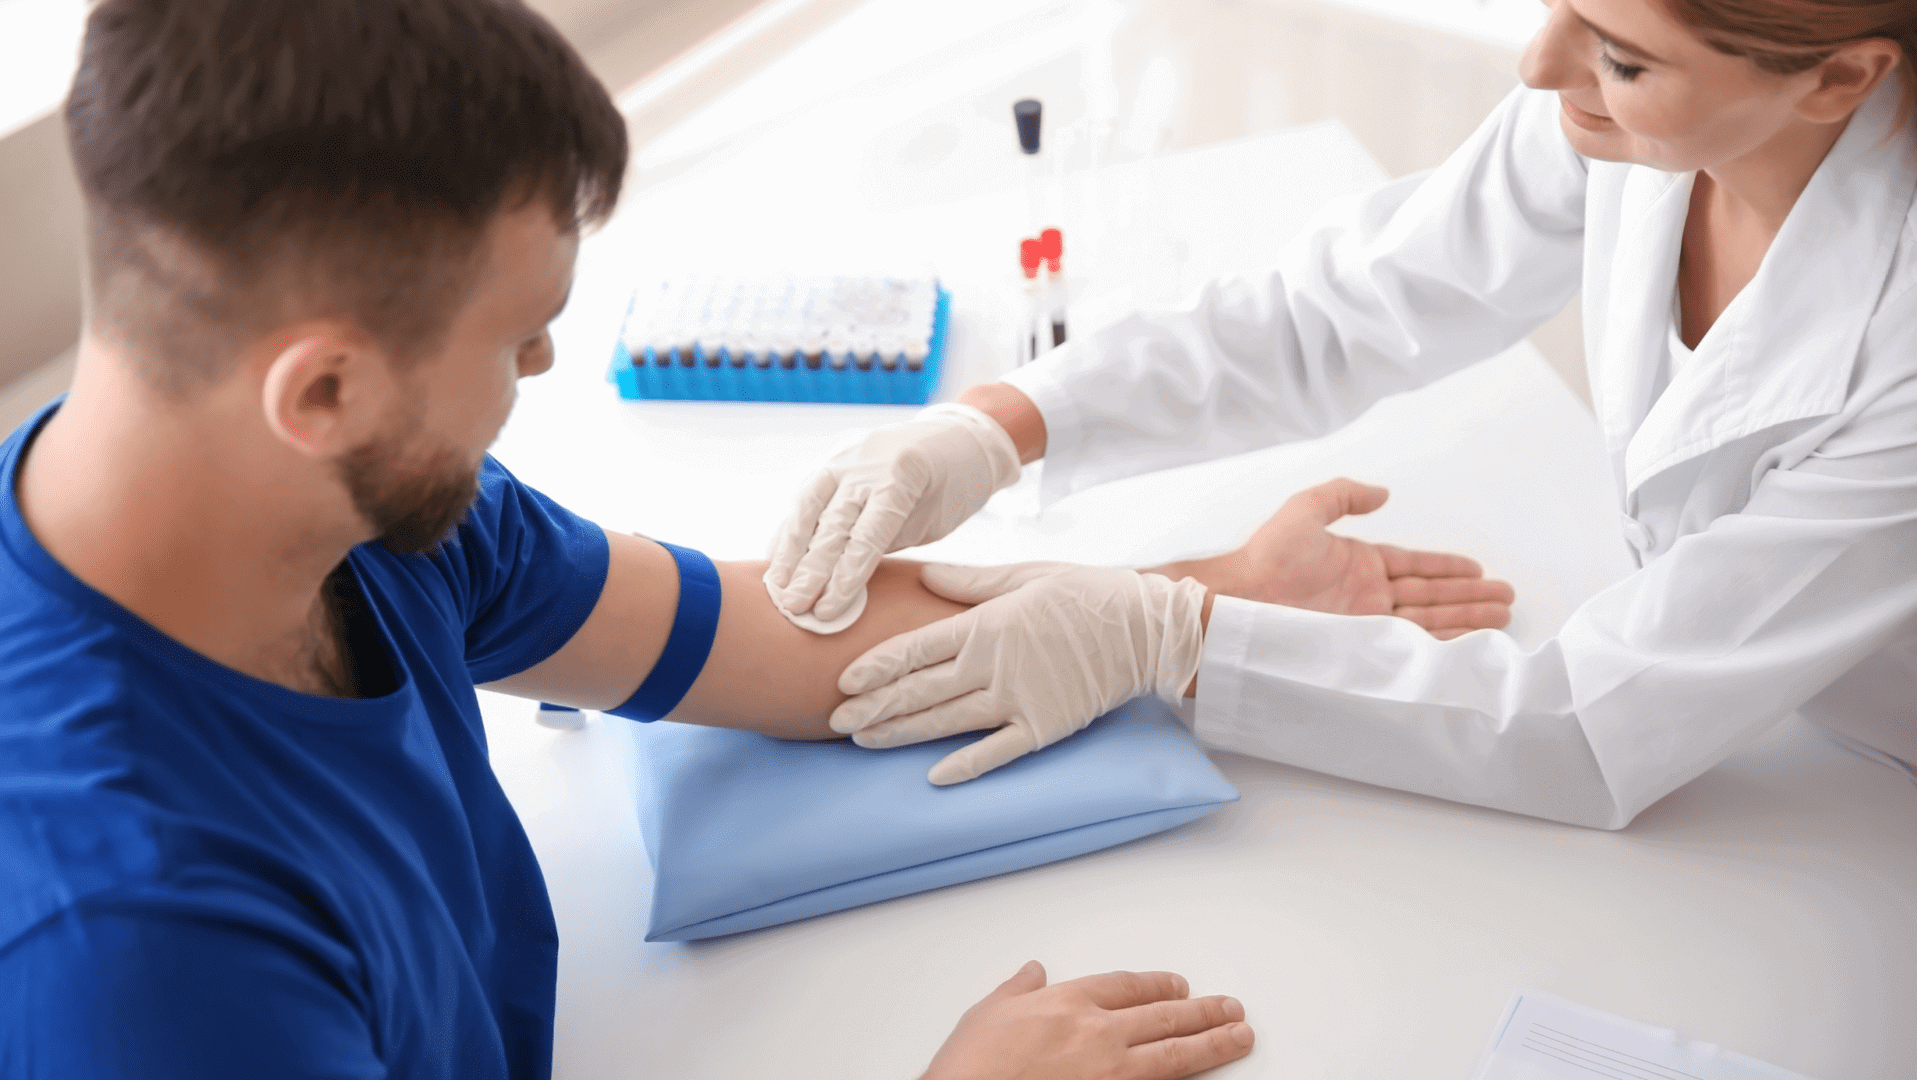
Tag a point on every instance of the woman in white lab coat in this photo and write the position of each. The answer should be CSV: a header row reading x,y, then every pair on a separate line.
x,y
1732,186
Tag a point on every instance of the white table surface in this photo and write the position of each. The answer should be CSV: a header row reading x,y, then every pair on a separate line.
x,y
1769,906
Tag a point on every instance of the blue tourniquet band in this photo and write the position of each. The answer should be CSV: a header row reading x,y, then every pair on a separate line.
x,y
694,626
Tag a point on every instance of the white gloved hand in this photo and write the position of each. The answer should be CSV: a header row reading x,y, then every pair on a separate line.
x,y
1049,648
905,485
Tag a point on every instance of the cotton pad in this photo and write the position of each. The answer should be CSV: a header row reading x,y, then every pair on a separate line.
x,y
809,621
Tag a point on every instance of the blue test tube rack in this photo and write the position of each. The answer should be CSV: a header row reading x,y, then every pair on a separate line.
x,y
720,376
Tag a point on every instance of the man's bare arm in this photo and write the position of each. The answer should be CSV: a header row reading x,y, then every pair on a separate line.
x,y
764,675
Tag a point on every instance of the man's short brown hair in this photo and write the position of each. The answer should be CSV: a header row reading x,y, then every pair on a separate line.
x,y
250,161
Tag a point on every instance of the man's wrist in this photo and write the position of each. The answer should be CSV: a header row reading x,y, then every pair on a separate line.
x,y
1222,574
1013,411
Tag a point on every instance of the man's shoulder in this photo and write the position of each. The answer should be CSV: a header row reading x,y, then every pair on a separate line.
x,y
517,570
67,711
93,821
78,702
60,666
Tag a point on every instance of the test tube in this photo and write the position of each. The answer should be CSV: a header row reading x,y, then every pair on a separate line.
x,y
1029,115
814,346
1051,245
736,339
1028,261
785,343
838,346
685,339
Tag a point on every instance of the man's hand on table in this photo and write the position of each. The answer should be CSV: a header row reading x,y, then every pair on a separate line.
x,y
1118,1026
1293,560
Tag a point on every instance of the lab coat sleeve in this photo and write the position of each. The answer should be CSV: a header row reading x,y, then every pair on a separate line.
x,y
1648,684
1383,293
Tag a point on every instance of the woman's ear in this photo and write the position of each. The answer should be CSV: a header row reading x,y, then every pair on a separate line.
x,y
325,390
1848,77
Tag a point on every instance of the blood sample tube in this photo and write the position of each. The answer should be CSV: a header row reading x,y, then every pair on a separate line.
x,y
1028,261
1051,246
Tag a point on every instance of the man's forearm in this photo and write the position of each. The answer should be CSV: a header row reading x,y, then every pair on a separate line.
x,y
767,675
762,674
1224,575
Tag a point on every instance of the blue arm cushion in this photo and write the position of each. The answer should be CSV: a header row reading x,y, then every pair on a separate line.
x,y
745,832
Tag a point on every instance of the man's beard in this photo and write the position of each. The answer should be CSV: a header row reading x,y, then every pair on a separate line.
x,y
412,510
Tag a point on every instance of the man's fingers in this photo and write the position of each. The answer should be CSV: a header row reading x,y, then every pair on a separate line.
x,y
950,712
1176,1018
976,759
1466,617
1439,592
813,499
1172,1059
1338,498
1023,981
1129,989
933,643
1427,564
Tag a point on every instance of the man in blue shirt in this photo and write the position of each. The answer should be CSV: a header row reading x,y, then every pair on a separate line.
x,y
255,563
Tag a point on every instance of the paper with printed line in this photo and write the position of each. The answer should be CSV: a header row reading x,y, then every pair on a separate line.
x,y
1544,1037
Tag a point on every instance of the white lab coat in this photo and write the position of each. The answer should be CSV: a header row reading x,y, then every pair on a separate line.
x,y
1770,491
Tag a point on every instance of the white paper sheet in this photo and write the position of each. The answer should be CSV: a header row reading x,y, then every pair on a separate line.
x,y
1544,1037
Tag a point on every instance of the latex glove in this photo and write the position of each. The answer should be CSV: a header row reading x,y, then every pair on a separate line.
x,y
905,485
1049,648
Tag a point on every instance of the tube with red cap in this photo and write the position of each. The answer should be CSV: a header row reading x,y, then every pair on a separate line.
x,y
1051,248
1029,258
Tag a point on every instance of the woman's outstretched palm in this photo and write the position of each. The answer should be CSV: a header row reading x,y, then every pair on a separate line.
x,y
1293,559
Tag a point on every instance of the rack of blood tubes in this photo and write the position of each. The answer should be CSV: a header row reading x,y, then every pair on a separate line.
x,y
862,339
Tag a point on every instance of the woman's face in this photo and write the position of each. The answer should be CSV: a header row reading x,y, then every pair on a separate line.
x,y
1638,86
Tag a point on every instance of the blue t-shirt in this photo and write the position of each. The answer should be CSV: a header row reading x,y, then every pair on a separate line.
x,y
206,875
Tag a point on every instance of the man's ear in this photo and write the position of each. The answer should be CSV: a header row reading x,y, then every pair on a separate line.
x,y
326,390
1848,77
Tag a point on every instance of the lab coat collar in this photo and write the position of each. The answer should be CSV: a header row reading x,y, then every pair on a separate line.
x,y
1785,348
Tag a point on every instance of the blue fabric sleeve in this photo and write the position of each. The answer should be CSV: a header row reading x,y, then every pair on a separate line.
x,y
526,571
694,624
106,995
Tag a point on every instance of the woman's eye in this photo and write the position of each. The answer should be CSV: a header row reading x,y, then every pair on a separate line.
x,y
1623,72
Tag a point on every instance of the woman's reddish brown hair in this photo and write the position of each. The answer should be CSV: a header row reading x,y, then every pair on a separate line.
x,y
1785,37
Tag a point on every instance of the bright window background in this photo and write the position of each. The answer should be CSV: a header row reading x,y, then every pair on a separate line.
x,y
39,48
1501,22
39,41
